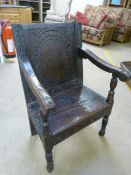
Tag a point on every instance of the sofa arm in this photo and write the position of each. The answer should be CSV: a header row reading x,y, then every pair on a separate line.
x,y
45,101
118,72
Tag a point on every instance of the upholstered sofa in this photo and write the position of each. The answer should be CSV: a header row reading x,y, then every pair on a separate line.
x,y
102,23
122,32
100,26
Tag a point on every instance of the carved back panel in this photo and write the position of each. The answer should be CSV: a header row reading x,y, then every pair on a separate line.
x,y
52,51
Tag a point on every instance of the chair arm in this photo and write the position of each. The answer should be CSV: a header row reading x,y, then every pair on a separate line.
x,y
46,102
87,54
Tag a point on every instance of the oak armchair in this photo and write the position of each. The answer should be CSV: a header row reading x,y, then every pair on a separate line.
x,y
50,60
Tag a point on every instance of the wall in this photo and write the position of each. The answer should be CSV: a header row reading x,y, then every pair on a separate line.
x,y
79,5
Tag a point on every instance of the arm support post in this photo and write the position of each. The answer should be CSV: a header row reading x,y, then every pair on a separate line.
x,y
113,84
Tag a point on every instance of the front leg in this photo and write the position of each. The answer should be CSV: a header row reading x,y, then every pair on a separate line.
x,y
47,143
104,124
110,100
49,159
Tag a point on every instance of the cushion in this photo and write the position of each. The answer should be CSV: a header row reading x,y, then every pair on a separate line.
x,y
122,29
103,18
91,37
125,19
116,14
107,23
82,18
89,10
96,15
92,31
117,36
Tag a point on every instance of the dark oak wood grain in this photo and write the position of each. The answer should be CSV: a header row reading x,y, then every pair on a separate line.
x,y
121,74
51,68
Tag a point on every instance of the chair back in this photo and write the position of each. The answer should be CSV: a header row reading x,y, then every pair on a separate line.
x,y
52,51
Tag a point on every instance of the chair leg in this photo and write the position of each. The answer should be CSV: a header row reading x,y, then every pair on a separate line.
x,y
47,143
110,100
32,128
104,124
49,159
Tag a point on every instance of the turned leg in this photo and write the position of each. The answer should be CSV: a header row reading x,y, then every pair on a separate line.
x,y
32,128
47,143
49,159
104,124
110,100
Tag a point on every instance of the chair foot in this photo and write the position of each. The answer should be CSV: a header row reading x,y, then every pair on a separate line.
x,y
101,132
50,167
50,164
103,127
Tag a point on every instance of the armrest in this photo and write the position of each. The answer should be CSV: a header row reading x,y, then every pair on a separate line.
x,y
87,54
42,96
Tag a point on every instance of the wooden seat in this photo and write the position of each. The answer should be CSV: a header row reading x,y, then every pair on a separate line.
x,y
75,106
58,104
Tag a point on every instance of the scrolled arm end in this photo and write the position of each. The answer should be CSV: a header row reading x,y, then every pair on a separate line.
x,y
47,104
124,76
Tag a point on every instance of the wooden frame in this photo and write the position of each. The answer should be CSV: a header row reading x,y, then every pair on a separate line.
x,y
58,103
128,6
106,37
122,4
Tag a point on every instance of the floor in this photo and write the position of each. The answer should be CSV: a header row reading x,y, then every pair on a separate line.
x,y
85,153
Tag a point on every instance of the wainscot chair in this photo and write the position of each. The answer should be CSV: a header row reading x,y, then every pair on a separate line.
x,y
51,66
